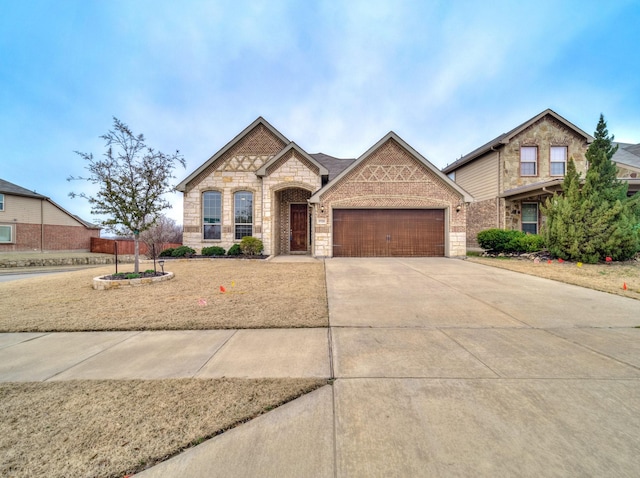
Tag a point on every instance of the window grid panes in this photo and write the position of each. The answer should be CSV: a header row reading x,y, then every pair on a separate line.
x,y
5,234
528,161
212,213
1,202
558,156
243,214
530,218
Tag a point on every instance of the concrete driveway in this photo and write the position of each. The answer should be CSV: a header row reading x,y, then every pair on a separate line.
x,y
447,368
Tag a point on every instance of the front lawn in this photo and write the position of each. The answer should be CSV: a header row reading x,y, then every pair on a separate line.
x,y
258,294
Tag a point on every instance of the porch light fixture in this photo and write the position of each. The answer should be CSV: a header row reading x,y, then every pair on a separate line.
x,y
322,208
161,262
458,208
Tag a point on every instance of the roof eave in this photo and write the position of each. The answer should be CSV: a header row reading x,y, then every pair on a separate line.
x,y
183,184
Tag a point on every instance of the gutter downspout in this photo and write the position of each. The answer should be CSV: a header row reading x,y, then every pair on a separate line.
x,y
42,225
499,190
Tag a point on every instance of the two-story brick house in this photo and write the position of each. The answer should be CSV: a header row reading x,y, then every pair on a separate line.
x,y
391,201
32,222
513,174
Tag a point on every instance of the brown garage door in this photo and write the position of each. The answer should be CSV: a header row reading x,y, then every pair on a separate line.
x,y
388,232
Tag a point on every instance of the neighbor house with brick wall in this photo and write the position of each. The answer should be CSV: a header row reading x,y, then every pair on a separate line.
x,y
511,176
391,201
32,222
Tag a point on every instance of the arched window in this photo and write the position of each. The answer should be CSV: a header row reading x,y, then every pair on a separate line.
x,y
243,214
211,214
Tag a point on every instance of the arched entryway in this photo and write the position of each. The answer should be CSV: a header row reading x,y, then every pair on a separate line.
x,y
293,223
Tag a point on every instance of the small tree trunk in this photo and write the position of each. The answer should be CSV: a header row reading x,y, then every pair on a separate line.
x,y
136,251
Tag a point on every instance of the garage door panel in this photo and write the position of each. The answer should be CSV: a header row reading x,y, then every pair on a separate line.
x,y
388,232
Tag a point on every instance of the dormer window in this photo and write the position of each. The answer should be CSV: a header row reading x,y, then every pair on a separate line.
x,y
558,156
529,161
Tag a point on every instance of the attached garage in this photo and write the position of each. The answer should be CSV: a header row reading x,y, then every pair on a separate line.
x,y
388,232
390,202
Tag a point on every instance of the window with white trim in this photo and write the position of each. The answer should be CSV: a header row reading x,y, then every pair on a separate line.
x,y
558,156
529,161
6,234
243,214
1,202
212,215
530,218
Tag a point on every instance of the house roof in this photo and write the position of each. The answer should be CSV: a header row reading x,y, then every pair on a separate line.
x,y
391,135
628,154
13,189
333,165
506,137
260,120
535,189
9,188
292,146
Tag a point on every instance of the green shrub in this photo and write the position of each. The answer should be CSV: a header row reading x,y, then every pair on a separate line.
x,y
183,251
149,271
234,250
497,240
530,243
167,252
133,275
503,240
213,251
251,246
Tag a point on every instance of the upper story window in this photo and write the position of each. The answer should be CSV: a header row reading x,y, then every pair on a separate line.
x,y
212,214
558,156
1,202
529,161
243,213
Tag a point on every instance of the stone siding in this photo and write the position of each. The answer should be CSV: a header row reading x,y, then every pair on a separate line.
x,y
231,172
544,133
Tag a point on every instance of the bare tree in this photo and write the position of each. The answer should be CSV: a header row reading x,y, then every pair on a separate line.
x,y
133,179
163,232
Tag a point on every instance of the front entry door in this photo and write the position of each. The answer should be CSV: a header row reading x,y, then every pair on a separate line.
x,y
298,233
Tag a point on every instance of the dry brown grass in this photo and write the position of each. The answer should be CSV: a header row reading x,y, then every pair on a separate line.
x,y
112,428
259,294
604,277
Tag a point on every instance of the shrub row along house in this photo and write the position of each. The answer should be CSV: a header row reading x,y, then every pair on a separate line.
x,y
391,201
32,222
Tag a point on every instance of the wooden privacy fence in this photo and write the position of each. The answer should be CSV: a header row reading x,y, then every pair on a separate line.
x,y
107,246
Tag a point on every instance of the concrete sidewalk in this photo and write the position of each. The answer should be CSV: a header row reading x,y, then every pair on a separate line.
x,y
272,353
442,368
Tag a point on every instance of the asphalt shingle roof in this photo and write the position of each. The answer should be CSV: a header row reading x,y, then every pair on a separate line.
x,y
9,188
334,165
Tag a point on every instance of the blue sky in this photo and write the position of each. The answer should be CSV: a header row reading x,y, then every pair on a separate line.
x,y
333,76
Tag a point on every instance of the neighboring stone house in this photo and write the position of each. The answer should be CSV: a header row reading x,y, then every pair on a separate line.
x,y
32,222
511,176
390,201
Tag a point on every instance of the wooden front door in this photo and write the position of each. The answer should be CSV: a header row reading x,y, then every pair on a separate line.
x,y
298,234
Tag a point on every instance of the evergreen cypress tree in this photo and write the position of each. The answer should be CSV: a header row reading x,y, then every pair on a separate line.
x,y
597,220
